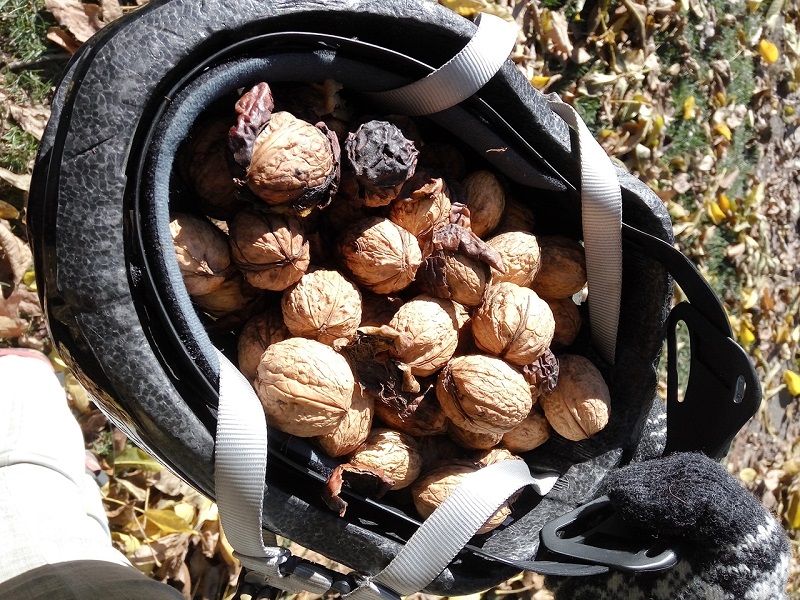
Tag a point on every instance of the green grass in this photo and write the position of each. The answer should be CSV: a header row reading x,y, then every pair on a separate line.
x,y
25,81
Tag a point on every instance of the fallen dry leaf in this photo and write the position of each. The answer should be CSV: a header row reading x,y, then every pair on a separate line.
x,y
63,39
30,118
21,182
81,20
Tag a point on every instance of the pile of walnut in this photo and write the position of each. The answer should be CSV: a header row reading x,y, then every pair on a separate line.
x,y
392,307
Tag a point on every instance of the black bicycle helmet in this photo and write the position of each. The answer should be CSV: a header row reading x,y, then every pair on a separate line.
x,y
104,183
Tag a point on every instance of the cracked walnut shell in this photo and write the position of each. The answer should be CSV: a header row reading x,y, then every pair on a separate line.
x,y
483,394
304,386
513,323
324,306
579,405
380,255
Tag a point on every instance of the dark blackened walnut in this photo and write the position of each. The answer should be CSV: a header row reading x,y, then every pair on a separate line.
x,y
382,160
271,250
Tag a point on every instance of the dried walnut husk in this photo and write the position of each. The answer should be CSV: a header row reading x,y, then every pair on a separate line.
x,y
324,306
304,386
203,163
430,329
353,429
258,334
483,394
513,323
293,161
271,250
485,196
423,203
434,487
202,253
381,158
563,270
531,433
568,321
380,255
542,374
394,453
520,254
417,414
579,405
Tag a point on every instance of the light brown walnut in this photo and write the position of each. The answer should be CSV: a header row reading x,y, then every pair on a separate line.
x,y
483,394
568,321
513,323
563,270
395,454
353,429
485,196
258,334
580,404
324,306
202,252
531,433
521,257
304,386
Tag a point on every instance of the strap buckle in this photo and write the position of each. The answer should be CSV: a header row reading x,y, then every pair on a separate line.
x,y
594,534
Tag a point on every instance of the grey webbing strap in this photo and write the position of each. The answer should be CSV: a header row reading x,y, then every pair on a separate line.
x,y
461,76
240,467
445,532
601,210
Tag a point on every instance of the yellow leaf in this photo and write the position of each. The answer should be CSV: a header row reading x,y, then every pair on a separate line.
x,y
129,543
724,203
748,475
723,129
185,511
792,514
168,521
792,381
750,300
768,51
465,8
746,335
539,81
714,212
688,109
134,458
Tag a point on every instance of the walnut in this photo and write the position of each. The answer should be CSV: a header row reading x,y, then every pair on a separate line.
x,y
434,487
394,453
304,386
521,257
293,161
473,440
378,310
568,321
235,297
430,326
455,276
485,196
382,159
438,450
531,433
516,217
270,249
203,163
258,334
423,202
324,306
202,253
579,405
513,323
563,270
353,429
483,394
380,255
493,456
